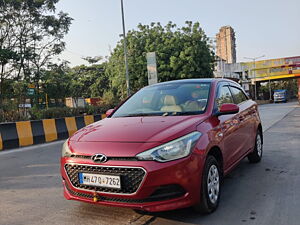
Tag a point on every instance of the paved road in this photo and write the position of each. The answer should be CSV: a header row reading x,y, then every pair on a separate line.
x,y
272,113
265,193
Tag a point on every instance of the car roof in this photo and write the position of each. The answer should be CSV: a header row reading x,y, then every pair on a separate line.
x,y
280,90
208,80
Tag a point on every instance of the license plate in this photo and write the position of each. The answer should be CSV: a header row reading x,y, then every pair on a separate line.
x,y
100,180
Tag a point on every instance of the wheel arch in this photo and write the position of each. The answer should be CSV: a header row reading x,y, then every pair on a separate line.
x,y
217,153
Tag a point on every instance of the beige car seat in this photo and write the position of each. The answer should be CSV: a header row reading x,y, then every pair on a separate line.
x,y
170,104
191,106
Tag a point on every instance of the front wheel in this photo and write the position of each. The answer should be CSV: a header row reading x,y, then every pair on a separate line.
x,y
256,155
210,189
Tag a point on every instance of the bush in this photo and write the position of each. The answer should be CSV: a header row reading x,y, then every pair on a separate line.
x,y
9,112
12,115
37,114
56,112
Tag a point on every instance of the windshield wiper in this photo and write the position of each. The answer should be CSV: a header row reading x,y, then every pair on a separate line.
x,y
181,113
187,113
140,114
161,114
169,114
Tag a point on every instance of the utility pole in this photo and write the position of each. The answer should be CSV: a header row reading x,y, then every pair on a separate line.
x,y
270,90
125,50
254,73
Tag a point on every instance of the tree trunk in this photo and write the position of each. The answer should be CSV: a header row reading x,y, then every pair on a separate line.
x,y
1,84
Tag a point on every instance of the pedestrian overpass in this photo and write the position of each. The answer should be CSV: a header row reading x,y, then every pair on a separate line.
x,y
251,73
273,69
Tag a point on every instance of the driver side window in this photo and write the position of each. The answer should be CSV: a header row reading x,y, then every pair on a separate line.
x,y
224,96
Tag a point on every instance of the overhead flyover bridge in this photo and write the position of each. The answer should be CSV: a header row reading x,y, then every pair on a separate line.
x,y
273,69
251,73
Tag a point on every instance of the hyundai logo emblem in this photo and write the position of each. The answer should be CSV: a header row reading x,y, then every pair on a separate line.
x,y
99,158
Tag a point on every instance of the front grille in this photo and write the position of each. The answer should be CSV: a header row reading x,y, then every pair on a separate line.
x,y
131,178
152,198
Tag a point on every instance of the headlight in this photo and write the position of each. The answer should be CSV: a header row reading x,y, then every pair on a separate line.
x,y
66,152
176,149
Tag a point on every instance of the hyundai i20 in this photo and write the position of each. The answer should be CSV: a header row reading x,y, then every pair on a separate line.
x,y
166,147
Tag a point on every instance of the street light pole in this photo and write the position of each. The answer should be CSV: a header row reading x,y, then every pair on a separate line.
x,y
254,72
270,90
125,50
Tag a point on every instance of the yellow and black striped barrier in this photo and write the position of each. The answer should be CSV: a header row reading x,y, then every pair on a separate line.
x,y
25,133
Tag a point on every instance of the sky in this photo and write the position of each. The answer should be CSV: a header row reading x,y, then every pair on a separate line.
x,y
262,27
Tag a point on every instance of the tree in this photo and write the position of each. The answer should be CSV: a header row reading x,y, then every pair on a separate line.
x,y
6,56
181,53
88,81
34,31
57,82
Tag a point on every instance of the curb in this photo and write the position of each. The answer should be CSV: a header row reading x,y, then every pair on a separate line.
x,y
26,133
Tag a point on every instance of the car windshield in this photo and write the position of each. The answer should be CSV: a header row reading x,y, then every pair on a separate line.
x,y
171,99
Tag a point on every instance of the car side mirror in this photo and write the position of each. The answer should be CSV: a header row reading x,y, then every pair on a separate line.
x,y
228,108
109,112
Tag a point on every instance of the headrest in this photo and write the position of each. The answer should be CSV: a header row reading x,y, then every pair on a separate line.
x,y
169,100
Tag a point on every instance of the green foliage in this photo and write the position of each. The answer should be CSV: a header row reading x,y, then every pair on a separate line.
x,y
181,53
11,116
110,99
88,81
290,85
60,112
31,33
56,82
10,113
37,114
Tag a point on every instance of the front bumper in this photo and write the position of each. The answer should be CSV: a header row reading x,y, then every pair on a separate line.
x,y
164,186
279,99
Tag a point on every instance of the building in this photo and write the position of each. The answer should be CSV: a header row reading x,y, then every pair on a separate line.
x,y
226,48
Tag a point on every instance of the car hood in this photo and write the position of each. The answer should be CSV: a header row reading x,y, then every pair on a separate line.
x,y
138,129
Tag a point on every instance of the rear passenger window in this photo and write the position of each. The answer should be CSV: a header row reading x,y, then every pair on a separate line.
x,y
238,95
224,96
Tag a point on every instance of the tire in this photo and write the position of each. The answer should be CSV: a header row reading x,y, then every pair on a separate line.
x,y
256,155
210,196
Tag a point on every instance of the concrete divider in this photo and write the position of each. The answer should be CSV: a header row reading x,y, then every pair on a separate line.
x,y
24,133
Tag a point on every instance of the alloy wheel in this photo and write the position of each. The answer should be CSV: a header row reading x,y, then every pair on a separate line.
x,y
213,184
258,145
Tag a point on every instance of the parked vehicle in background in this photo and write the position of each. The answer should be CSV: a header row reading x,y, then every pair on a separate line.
x,y
280,95
166,147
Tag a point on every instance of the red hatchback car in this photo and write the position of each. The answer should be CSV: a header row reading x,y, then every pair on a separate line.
x,y
166,147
